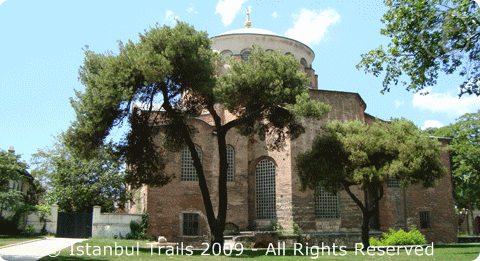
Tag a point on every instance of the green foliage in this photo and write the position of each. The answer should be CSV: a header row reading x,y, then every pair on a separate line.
x,y
400,238
274,226
177,68
29,230
297,230
465,148
356,153
138,230
11,169
44,211
280,99
428,37
166,63
76,185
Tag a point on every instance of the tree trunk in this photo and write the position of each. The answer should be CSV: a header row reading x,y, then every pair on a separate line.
x,y
366,229
217,241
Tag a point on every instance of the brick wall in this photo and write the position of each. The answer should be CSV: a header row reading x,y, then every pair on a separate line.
x,y
399,208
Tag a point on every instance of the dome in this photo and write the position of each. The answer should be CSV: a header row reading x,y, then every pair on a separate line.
x,y
240,41
249,31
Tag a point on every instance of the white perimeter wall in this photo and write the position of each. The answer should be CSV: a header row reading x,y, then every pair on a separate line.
x,y
108,225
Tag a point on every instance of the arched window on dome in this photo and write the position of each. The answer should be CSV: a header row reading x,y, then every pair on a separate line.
x,y
187,170
226,53
265,190
246,54
303,62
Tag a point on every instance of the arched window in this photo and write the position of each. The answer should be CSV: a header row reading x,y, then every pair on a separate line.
x,y
303,62
188,172
326,204
246,54
265,190
226,53
231,164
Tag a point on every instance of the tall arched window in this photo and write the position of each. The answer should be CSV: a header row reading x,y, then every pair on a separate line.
x,y
188,172
326,204
231,164
265,190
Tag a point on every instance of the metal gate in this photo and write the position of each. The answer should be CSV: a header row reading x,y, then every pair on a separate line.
x,y
74,225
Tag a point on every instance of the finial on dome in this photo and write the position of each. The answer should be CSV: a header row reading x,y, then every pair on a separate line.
x,y
248,24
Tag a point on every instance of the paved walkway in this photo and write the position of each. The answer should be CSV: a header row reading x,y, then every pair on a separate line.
x,y
37,249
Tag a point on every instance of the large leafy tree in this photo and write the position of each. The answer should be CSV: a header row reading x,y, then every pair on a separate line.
x,y
11,169
465,149
176,68
356,154
76,184
428,37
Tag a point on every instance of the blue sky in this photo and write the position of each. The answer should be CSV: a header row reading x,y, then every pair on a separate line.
x,y
41,51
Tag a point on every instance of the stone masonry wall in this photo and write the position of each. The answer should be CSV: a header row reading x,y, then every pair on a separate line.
x,y
345,106
401,207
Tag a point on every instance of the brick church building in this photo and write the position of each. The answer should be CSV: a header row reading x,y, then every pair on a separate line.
x,y
263,185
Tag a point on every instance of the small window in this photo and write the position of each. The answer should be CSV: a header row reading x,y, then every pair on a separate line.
x,y
326,204
246,55
392,182
226,53
188,172
303,62
231,164
190,224
424,219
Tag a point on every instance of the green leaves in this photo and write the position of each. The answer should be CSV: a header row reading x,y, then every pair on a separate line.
x,y
162,67
465,148
428,37
11,169
77,184
268,96
356,153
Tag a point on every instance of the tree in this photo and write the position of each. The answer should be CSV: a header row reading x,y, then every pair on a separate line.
x,y
465,149
428,37
11,169
177,68
75,184
356,154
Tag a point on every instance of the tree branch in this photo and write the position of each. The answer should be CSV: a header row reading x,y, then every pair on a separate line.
x,y
346,186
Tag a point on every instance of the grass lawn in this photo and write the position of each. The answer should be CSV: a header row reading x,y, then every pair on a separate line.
x,y
97,251
13,239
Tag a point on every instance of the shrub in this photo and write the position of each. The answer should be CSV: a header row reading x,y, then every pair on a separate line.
x,y
29,230
400,238
138,230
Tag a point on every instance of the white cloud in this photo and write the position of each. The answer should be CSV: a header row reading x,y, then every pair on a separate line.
x,y
399,103
1,1
432,124
170,16
191,9
228,9
311,25
275,15
446,102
